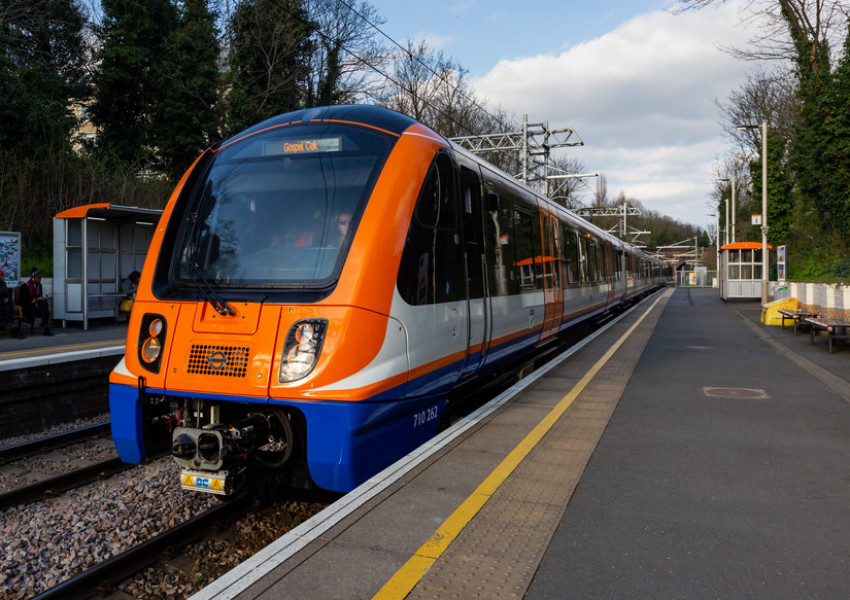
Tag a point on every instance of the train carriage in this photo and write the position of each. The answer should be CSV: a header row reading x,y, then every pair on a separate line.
x,y
320,283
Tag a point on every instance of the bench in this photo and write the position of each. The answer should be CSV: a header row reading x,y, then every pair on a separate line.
x,y
797,315
19,320
19,312
834,325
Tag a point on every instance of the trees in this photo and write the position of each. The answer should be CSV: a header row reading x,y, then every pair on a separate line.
x,y
270,46
806,108
820,150
434,89
186,118
344,52
130,62
41,69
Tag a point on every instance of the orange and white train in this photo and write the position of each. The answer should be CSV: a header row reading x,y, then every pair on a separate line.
x,y
320,283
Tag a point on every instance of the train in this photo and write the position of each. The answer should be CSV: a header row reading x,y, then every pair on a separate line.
x,y
319,284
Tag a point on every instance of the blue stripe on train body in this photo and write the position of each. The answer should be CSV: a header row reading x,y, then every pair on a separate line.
x,y
347,442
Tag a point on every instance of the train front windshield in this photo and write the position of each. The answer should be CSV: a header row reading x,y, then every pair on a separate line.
x,y
279,208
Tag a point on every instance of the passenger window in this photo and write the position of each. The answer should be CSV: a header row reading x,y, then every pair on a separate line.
x,y
585,259
570,256
592,262
527,255
500,244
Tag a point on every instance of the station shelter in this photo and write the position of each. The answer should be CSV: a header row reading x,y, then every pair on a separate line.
x,y
95,248
740,270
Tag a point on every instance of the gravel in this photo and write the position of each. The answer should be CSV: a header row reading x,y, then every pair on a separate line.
x,y
56,429
50,541
202,563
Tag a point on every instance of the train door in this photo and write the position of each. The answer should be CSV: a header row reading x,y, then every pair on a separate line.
x,y
552,292
610,270
473,236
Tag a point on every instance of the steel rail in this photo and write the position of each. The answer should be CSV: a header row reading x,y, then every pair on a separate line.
x,y
59,440
102,577
63,483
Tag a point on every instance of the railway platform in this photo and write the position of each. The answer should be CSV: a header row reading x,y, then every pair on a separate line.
x,y
686,451
67,344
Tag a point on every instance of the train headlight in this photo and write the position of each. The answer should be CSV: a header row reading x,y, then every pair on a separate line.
x,y
151,336
151,349
302,349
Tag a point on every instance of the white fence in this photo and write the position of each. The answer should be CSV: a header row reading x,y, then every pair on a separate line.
x,y
830,296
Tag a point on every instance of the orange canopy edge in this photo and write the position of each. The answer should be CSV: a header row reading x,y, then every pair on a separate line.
x,y
80,212
744,246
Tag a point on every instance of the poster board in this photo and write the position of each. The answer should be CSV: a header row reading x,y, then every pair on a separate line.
x,y
780,263
10,255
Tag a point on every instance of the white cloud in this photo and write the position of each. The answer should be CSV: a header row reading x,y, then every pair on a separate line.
x,y
435,41
642,97
460,8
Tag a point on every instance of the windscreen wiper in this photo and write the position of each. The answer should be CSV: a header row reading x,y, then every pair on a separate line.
x,y
217,302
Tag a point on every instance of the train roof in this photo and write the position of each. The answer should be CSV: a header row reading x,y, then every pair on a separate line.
x,y
376,116
577,220
397,123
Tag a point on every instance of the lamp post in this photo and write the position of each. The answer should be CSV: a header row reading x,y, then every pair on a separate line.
x,y
726,224
733,181
716,216
733,184
764,254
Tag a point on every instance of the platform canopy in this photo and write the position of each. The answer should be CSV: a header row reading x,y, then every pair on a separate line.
x,y
95,248
112,212
745,246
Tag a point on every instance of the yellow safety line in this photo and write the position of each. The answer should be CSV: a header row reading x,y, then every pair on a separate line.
x,y
404,580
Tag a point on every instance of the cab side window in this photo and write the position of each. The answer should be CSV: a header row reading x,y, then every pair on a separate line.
x,y
432,266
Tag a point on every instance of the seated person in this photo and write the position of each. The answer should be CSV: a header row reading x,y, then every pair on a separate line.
x,y
130,285
8,311
34,302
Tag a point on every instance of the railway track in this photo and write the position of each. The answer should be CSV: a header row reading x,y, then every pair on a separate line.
x,y
102,577
62,483
60,440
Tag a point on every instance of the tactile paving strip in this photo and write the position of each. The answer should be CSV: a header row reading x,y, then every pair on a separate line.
x,y
498,552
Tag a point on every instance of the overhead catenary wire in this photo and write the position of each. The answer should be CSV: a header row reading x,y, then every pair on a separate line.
x,y
313,27
441,76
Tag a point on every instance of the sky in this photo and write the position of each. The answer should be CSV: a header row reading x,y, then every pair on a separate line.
x,y
637,82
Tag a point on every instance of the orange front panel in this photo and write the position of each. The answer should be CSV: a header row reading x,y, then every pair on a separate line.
x,y
222,361
245,321
169,311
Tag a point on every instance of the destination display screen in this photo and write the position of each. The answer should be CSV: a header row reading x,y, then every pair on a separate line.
x,y
302,146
